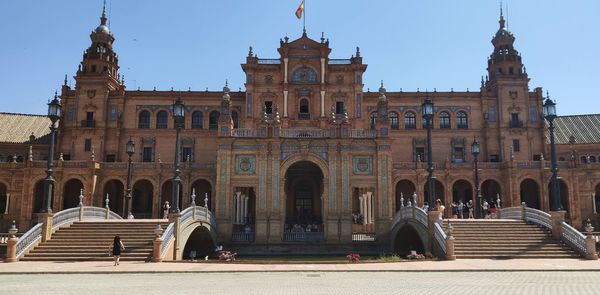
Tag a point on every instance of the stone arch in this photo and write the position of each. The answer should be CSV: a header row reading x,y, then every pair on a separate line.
x,y
409,235
303,189
203,188
597,198
142,193
404,189
187,232
3,198
200,241
71,191
530,193
462,190
166,195
440,192
564,194
38,197
116,192
490,190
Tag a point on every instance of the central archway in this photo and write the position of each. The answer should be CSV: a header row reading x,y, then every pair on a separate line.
x,y
303,190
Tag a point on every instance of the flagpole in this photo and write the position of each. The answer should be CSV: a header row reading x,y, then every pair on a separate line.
x,y
304,18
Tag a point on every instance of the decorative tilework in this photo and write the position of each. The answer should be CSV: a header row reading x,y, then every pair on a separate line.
x,y
223,186
275,189
245,164
249,105
246,147
362,165
384,180
262,186
358,106
345,185
364,148
332,196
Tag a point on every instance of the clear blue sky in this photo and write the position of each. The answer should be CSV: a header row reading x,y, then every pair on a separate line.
x,y
191,43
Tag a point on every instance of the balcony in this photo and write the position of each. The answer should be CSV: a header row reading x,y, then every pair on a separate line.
x,y
242,237
269,61
304,133
88,123
361,133
303,236
304,116
333,61
363,237
515,124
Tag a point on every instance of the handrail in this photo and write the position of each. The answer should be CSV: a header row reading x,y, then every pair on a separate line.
x,y
440,238
28,239
167,238
511,213
573,238
538,217
71,215
410,212
202,214
66,216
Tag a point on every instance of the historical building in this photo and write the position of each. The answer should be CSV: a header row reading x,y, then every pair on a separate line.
x,y
303,148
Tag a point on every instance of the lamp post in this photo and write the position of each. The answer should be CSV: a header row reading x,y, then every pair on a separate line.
x,y
475,150
550,115
54,113
427,111
130,148
179,117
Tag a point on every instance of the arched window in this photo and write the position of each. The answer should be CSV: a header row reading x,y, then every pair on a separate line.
x,y
373,119
236,119
144,119
592,159
583,159
303,112
213,120
162,120
410,120
444,120
197,120
462,121
304,75
394,121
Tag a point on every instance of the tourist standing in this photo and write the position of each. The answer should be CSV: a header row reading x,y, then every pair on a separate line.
x,y
166,208
470,206
116,248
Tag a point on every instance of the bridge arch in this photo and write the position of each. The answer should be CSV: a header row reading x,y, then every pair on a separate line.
x,y
409,232
195,223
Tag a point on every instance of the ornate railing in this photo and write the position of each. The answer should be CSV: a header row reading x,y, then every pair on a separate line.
x,y
71,215
440,238
462,165
245,132
114,165
242,237
304,133
573,238
75,164
28,239
303,236
489,165
143,165
511,213
410,212
65,217
364,237
529,164
269,61
538,217
197,213
167,238
405,165
362,133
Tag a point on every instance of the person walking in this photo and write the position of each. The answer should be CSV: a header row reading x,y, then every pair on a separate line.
x,y
116,248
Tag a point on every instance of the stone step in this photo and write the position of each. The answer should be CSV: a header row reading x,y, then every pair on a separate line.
x,y
517,256
83,258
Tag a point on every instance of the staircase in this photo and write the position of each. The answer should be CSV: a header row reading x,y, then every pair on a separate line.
x,y
505,239
87,241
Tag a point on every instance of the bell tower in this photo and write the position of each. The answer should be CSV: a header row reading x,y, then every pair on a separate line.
x,y
505,61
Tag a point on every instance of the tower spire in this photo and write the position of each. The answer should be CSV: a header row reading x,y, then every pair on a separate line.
x,y
501,21
103,17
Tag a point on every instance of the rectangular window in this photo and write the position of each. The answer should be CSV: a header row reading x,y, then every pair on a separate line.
x,y
3,204
66,157
339,107
420,154
269,107
516,145
537,157
358,79
147,154
186,153
358,113
492,114
249,105
533,116
494,158
71,113
110,158
113,113
458,155
89,116
87,146
514,121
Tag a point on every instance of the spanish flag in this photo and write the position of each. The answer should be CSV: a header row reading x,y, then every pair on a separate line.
x,y
300,10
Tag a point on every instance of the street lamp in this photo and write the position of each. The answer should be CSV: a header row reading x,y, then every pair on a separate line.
x,y
130,149
475,150
54,113
179,118
427,111
550,115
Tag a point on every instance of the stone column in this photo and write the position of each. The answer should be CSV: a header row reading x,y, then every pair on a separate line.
x,y
556,218
361,199
46,220
370,207
322,103
285,103
11,245
245,216
236,207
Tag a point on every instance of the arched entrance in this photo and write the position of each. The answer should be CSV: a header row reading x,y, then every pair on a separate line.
x,y
166,195
203,189
407,239
303,189
404,189
490,190
38,197
115,190
439,193
199,244
462,191
142,199
564,194
530,193
71,192
597,199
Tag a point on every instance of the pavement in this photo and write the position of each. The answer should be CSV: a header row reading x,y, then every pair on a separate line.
x,y
461,265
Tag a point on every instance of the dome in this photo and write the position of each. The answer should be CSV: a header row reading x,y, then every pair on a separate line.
x,y
102,29
503,32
